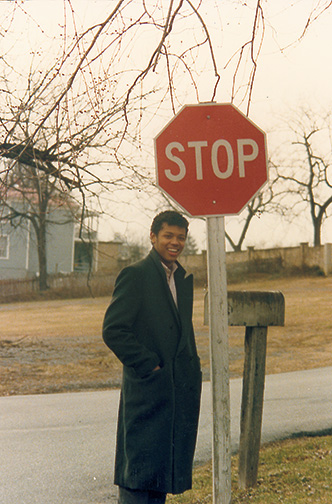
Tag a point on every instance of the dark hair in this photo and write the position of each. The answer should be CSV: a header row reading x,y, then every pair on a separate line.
x,y
171,218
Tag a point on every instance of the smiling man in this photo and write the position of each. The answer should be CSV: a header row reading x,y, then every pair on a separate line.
x,y
148,325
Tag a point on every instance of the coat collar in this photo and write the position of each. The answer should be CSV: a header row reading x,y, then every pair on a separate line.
x,y
157,260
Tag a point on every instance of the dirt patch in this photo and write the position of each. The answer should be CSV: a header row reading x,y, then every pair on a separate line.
x,y
45,365
56,346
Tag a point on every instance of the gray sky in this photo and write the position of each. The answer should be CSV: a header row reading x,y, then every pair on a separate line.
x,y
292,72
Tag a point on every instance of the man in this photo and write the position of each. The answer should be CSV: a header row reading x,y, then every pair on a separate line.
x,y
148,325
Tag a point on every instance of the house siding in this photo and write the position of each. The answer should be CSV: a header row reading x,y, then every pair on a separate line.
x,y
14,265
59,243
22,259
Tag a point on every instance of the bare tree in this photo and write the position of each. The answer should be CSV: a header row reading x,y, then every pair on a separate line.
x,y
98,60
257,206
105,47
55,166
307,172
267,201
190,247
96,92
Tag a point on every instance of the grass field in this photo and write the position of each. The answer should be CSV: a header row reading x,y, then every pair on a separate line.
x,y
54,346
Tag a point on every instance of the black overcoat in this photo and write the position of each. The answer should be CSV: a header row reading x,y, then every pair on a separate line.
x,y
158,413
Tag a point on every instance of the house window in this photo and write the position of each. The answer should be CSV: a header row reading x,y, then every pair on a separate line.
x,y
4,245
83,256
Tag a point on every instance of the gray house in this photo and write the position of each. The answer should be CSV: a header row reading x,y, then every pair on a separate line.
x,y
68,247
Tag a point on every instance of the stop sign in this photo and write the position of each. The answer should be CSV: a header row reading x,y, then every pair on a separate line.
x,y
211,159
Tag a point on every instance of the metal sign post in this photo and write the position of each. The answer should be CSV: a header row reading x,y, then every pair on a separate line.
x,y
219,357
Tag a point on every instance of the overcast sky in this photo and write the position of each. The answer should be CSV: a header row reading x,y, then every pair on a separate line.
x,y
292,72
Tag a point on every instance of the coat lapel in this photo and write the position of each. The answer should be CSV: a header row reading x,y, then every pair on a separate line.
x,y
184,287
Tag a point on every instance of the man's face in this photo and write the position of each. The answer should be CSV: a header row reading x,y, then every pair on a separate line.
x,y
169,242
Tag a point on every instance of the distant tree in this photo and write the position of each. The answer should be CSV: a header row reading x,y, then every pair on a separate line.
x,y
137,252
307,172
191,247
265,202
134,248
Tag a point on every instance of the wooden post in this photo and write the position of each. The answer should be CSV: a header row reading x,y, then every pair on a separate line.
x,y
252,405
219,355
256,311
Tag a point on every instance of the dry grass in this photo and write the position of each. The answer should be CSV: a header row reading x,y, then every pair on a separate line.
x,y
305,342
291,472
53,346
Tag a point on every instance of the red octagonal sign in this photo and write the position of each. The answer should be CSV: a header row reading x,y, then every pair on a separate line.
x,y
211,159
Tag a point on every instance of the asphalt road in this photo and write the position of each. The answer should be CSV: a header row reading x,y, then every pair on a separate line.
x,y
59,448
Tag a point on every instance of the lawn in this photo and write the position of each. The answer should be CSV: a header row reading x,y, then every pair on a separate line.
x,y
55,346
291,472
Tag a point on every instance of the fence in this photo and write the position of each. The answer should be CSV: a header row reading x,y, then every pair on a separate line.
x,y
71,285
288,259
14,289
301,259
